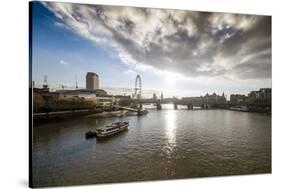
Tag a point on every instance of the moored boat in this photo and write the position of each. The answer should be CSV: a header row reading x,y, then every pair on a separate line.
x,y
240,108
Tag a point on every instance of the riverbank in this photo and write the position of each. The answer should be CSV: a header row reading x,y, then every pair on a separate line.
x,y
250,110
117,113
44,117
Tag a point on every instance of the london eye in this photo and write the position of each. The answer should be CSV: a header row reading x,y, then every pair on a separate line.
x,y
138,86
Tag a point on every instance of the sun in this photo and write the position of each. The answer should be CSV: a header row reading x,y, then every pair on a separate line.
x,y
170,81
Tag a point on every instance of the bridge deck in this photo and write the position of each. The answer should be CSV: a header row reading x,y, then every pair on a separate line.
x,y
125,108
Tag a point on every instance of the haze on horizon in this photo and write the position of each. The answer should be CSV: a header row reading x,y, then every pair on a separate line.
x,y
187,53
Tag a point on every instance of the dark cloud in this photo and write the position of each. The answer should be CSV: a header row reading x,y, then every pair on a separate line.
x,y
190,43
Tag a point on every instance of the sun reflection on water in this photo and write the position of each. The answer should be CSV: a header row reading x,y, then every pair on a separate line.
x,y
170,129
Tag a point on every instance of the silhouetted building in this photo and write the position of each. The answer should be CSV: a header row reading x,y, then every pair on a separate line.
x,y
154,96
193,99
92,81
238,98
262,94
86,93
265,93
254,95
123,97
214,98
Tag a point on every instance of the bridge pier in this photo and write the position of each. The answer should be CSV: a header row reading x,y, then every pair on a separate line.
x,y
190,107
175,106
204,106
158,105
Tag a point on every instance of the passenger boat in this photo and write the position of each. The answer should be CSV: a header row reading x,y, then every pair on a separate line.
x,y
111,129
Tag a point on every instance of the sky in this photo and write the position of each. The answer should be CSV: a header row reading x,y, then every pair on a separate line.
x,y
177,52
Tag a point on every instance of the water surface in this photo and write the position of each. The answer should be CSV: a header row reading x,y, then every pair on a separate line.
x,y
166,144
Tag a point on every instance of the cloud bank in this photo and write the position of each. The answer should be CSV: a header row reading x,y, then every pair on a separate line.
x,y
63,62
193,44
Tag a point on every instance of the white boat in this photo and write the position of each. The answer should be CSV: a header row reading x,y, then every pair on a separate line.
x,y
240,108
111,129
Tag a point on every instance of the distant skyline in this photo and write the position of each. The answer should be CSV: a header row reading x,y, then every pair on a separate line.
x,y
180,53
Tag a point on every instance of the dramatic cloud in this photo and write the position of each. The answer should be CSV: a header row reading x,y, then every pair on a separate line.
x,y
189,43
63,62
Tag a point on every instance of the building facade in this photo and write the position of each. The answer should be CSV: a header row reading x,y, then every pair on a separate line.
x,y
262,94
212,99
238,98
215,98
92,81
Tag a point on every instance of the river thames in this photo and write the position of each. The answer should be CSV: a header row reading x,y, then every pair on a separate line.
x,y
166,144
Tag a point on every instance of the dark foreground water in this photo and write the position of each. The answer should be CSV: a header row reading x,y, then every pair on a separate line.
x,y
164,144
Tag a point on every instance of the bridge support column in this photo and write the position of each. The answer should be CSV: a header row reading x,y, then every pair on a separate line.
x,y
202,106
158,105
175,106
190,106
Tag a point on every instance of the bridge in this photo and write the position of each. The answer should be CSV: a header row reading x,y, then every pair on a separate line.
x,y
201,102
125,108
204,102
138,111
